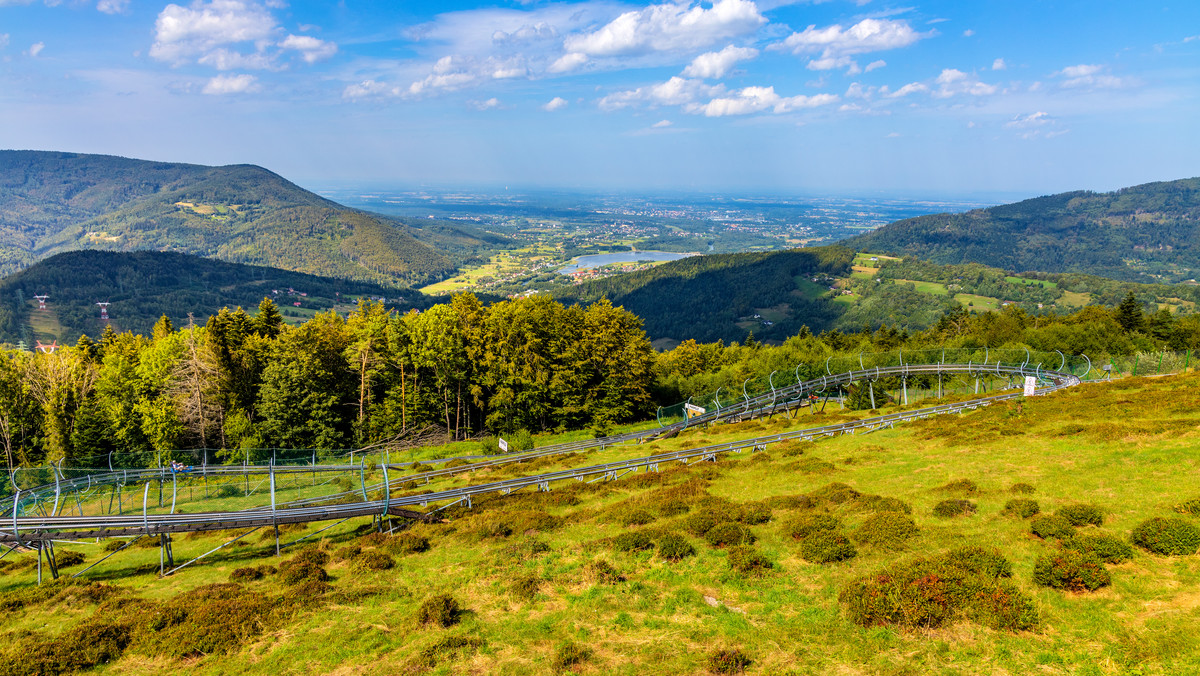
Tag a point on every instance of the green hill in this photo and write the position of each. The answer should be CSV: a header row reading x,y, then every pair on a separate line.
x,y
1146,233
53,202
142,286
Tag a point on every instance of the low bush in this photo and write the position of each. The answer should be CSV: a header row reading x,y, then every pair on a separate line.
x,y
408,543
825,546
311,555
1081,515
114,545
1167,536
570,654
67,558
602,572
813,466
700,522
524,549
754,513
635,541
879,503
1189,507
886,530
1106,547
835,493
728,662
1021,507
94,642
248,574
790,502
213,619
806,524
746,560
952,508
294,573
960,486
672,507
1071,570
729,534
525,587
347,553
441,610
932,592
674,547
1021,488
636,517
457,462
1048,526
447,648
372,560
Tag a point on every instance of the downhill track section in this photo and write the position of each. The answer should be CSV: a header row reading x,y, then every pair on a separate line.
x,y
35,517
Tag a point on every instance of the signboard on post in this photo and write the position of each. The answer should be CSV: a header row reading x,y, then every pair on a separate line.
x,y
694,410
503,445
1030,385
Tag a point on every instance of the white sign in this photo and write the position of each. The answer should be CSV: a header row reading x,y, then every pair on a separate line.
x,y
693,409
1030,385
503,445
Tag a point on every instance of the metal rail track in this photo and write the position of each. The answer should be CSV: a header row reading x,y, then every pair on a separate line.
x,y
37,531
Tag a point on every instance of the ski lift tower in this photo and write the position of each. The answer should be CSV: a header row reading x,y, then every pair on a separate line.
x,y
104,310
41,301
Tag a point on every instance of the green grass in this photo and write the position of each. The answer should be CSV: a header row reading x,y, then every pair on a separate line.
x,y
977,302
934,288
1029,282
810,289
1126,446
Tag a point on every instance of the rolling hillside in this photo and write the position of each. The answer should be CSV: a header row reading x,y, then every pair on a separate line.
x,y
1147,233
53,202
142,286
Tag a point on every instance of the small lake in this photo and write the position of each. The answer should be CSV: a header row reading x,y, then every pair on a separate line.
x,y
599,260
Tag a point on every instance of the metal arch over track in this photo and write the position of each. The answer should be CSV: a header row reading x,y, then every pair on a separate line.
x,y
41,530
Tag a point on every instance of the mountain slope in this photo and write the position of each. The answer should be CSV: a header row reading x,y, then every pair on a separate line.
x,y
1145,233
53,202
142,286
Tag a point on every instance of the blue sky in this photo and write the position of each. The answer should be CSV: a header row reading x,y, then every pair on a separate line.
x,y
924,98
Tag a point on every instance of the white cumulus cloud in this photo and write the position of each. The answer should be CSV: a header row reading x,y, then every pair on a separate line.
x,y
36,48
837,45
567,63
310,48
1090,76
677,91
953,82
369,88
556,103
485,105
717,64
231,84
669,27
661,124
999,64
229,34
758,99
113,6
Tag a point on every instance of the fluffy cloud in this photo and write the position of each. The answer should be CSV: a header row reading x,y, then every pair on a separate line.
x,y
669,27
369,88
1034,125
556,103
874,65
954,82
113,6
216,33
999,64
1089,76
448,74
231,84
661,124
717,64
836,45
36,48
485,105
910,88
677,91
567,63
758,99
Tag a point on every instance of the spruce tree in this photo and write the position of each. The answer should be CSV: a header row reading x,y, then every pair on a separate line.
x,y
1129,314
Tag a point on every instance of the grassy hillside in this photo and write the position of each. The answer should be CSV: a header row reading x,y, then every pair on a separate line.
x,y
546,582
53,202
1146,233
142,286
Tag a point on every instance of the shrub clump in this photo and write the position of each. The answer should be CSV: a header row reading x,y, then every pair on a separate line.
x,y
728,662
1167,536
1081,515
441,610
746,560
1189,507
526,587
602,572
67,558
673,547
754,513
806,524
964,583
826,546
962,486
372,560
700,522
408,543
879,503
447,647
1105,547
1021,507
1048,526
570,654
952,508
636,517
887,530
729,534
347,553
1071,570
248,574
835,493
1022,488
635,541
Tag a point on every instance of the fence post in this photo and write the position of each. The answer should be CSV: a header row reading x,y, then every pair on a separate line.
x,y
1186,360
1137,356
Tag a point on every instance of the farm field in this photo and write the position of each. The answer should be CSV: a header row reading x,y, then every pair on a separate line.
x,y
549,581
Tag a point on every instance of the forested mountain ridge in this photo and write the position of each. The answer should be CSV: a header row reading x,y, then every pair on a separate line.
x,y
142,286
52,202
1145,233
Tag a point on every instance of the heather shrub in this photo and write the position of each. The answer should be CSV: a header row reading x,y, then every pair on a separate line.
x,y
1021,507
728,662
570,654
746,560
1021,488
1071,570
447,648
634,541
408,543
727,534
1167,536
1048,526
952,508
525,587
1081,515
346,553
372,560
879,503
826,546
441,610
805,524
960,486
1105,547
887,530
835,493
754,513
674,547
700,522
1189,507
636,517
66,558
245,574
602,572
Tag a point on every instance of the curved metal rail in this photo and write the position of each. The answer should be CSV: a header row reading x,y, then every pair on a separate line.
x,y
38,530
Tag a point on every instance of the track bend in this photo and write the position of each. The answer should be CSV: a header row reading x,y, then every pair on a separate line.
x,y
20,528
